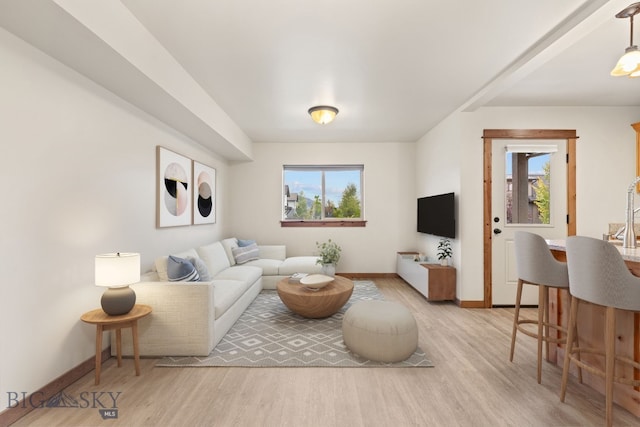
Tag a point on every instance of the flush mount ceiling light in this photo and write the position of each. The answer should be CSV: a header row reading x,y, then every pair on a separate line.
x,y
629,63
323,114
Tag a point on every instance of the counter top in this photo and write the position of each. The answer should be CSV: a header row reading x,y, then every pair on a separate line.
x,y
632,255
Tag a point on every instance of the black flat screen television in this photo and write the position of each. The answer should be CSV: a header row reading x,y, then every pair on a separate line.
x,y
436,215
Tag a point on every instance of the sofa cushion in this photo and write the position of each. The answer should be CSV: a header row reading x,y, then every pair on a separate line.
x,y
244,273
269,266
278,252
161,263
150,276
299,264
228,245
246,253
215,257
181,270
201,268
225,294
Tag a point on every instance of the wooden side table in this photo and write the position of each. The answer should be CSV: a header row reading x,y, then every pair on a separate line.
x,y
104,322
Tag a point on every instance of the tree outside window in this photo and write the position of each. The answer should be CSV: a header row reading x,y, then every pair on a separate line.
x,y
541,190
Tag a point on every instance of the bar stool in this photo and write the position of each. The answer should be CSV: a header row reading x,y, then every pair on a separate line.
x,y
536,265
598,274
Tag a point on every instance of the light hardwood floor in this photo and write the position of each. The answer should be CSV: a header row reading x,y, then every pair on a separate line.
x,y
472,384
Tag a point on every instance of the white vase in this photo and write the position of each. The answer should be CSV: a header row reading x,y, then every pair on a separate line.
x,y
329,270
444,262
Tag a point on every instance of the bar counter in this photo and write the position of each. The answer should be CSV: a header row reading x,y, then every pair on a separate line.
x,y
591,332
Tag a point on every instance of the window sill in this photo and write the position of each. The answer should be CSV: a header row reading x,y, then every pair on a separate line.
x,y
323,223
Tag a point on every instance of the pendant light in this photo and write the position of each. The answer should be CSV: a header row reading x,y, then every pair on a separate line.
x,y
629,63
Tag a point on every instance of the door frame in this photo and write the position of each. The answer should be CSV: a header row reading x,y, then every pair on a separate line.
x,y
488,135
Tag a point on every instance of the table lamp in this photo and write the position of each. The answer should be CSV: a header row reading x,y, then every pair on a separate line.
x,y
117,271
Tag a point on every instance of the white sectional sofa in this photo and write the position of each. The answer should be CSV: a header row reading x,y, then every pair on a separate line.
x,y
190,318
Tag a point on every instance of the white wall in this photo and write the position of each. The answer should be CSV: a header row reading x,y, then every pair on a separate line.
x,y
438,171
390,205
605,167
78,179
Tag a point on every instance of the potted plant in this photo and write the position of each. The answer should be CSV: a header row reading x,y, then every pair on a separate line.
x,y
329,255
444,251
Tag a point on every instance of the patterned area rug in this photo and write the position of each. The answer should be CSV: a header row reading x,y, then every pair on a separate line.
x,y
268,334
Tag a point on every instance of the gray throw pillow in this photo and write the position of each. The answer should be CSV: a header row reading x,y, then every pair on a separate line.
x,y
201,268
181,270
244,254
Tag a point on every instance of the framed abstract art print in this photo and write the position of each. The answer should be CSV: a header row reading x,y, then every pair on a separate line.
x,y
204,194
173,184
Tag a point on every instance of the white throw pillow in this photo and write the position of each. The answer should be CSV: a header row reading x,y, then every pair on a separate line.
x,y
201,268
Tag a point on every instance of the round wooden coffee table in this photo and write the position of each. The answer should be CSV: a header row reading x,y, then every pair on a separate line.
x,y
315,304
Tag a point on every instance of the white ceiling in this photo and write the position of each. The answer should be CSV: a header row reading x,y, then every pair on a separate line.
x,y
393,68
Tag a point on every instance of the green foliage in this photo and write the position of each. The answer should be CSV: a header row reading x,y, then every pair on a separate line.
x,y
316,208
541,189
329,252
444,249
349,206
302,210
330,210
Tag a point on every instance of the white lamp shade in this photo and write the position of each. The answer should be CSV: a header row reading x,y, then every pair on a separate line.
x,y
628,64
117,269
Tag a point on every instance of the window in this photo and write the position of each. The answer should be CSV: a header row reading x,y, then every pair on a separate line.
x,y
528,184
323,195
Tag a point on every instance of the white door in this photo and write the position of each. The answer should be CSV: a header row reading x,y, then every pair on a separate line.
x,y
526,195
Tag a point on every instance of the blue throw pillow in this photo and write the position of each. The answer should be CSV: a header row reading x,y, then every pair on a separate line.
x,y
245,242
181,270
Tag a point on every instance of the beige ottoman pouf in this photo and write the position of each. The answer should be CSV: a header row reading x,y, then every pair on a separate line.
x,y
383,331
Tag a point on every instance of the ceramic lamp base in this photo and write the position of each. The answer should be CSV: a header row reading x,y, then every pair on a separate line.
x,y
117,301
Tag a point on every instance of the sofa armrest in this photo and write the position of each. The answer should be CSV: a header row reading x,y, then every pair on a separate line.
x,y
181,323
273,252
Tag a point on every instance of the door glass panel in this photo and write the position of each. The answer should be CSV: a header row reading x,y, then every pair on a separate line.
x,y
527,187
